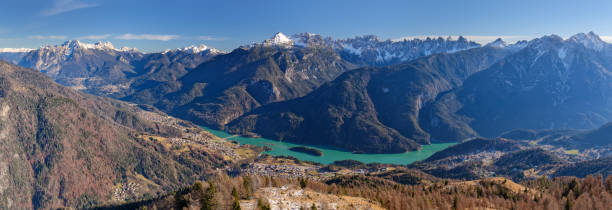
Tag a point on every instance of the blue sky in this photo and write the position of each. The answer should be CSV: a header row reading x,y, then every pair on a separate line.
x,y
153,25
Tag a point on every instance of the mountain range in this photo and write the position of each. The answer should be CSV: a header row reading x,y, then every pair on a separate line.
x,y
552,83
545,83
362,94
102,69
85,125
278,69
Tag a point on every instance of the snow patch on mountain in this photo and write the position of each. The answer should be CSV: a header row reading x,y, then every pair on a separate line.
x,y
279,39
349,47
590,40
562,53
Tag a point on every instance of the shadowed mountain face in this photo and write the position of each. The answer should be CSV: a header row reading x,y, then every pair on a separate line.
x,y
373,110
567,138
550,84
12,57
601,166
230,85
62,148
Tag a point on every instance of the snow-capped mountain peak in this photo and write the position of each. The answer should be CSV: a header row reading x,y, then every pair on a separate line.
x,y
279,39
589,40
98,46
498,43
193,49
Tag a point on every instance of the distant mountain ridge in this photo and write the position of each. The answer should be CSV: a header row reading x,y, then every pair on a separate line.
x,y
217,89
371,50
102,69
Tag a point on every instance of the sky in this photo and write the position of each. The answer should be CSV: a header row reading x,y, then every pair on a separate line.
x,y
155,25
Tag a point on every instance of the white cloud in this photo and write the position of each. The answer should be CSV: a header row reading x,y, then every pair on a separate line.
x,y
476,38
94,37
47,37
210,38
61,6
15,49
156,37
607,39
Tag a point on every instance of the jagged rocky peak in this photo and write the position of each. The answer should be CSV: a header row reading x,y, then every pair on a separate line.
x,y
368,38
374,51
460,39
544,43
589,40
313,40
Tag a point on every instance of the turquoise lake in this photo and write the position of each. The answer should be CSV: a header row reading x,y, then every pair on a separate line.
x,y
331,155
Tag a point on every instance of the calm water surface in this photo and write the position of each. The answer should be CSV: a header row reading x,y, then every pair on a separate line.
x,y
331,155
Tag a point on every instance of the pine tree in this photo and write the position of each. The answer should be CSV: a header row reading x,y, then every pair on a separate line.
x,y
262,206
568,203
246,184
236,205
303,183
208,199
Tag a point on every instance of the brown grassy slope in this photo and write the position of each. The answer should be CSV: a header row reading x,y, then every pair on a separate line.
x,y
60,147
